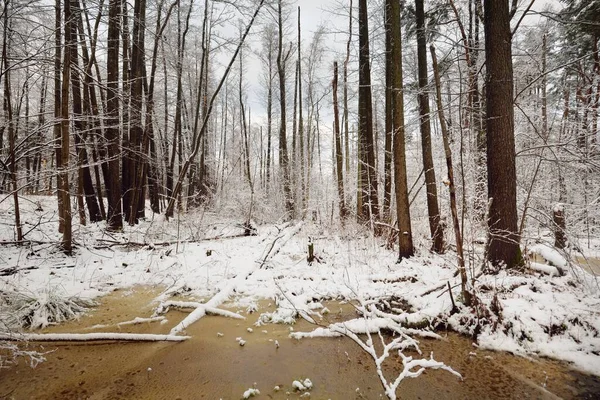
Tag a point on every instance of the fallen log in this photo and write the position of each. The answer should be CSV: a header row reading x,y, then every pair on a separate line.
x,y
85,337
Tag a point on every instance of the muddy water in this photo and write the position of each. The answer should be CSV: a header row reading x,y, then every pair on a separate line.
x,y
590,264
210,366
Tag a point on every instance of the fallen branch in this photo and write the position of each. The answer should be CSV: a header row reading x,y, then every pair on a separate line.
x,y
228,290
353,328
138,321
85,337
167,243
164,307
278,243
546,269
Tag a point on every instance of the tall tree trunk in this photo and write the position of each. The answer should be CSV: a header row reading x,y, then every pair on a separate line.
x,y
405,248
502,175
283,152
303,176
90,104
148,139
115,216
63,172
244,126
389,122
269,115
9,120
368,210
346,113
339,158
57,107
451,185
435,227
134,209
80,133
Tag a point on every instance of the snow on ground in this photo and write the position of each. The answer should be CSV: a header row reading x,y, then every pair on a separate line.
x,y
532,313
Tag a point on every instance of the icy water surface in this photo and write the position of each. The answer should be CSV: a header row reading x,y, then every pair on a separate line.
x,y
212,366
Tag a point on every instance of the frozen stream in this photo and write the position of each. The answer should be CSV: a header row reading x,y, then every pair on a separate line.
x,y
213,365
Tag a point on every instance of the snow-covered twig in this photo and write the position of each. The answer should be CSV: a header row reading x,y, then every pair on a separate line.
x,y
139,320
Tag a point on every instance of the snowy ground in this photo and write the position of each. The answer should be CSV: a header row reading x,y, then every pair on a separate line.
x,y
529,313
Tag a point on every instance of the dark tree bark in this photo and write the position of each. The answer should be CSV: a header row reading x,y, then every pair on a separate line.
x,y
90,102
148,139
301,158
244,124
63,172
502,176
433,210
270,51
339,158
405,247
57,105
80,133
558,217
10,122
115,216
346,122
368,204
134,209
389,126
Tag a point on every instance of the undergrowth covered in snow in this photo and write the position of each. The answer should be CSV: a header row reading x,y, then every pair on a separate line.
x,y
205,255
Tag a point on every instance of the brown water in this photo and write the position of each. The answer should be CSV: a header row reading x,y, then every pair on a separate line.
x,y
212,367
590,264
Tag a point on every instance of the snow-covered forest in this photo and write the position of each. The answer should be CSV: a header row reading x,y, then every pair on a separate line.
x,y
235,199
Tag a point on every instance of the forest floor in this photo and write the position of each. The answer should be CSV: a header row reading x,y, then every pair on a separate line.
x,y
204,259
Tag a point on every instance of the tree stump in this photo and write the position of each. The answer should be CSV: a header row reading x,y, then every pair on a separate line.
x,y
560,239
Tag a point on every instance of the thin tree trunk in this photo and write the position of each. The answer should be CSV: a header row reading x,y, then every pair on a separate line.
x,y
283,152
269,115
10,122
84,175
303,176
90,104
451,184
435,227
199,130
339,158
346,123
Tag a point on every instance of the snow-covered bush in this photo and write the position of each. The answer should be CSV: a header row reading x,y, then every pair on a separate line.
x,y
20,309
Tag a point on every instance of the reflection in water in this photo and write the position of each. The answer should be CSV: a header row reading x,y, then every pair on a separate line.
x,y
213,365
